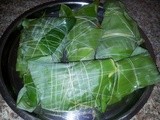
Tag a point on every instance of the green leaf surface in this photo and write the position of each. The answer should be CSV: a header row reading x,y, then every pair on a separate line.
x,y
28,98
90,84
65,11
73,85
85,81
116,47
134,73
139,50
121,35
87,11
42,36
82,40
117,22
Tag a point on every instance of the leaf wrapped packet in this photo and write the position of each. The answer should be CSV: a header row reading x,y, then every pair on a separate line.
x,y
132,74
88,84
120,33
82,41
36,41
74,85
85,81
44,38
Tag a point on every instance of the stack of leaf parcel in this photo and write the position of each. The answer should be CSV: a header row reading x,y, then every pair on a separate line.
x,y
74,62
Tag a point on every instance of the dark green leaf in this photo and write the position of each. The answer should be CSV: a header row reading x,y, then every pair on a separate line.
x,y
87,11
65,11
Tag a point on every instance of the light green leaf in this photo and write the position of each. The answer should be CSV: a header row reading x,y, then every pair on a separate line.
x,y
87,83
42,36
121,35
116,47
139,50
72,85
28,98
83,40
134,73
87,11
65,11
117,22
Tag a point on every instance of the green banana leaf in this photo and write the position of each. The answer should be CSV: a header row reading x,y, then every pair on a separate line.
x,y
132,74
116,47
72,85
87,11
85,81
65,11
82,41
28,98
90,84
36,41
37,35
120,33
84,12
117,22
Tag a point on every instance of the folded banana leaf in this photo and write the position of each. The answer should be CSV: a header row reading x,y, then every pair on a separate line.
x,y
82,41
89,84
36,41
86,83
84,12
43,39
120,33
117,21
132,74
116,47
74,85
38,34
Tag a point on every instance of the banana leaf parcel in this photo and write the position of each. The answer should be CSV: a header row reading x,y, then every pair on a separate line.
x,y
120,33
104,63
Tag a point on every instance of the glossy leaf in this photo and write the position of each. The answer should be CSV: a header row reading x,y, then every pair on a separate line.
x,y
134,73
83,40
85,81
120,33
65,11
28,98
41,37
74,85
117,22
91,84
116,47
87,11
